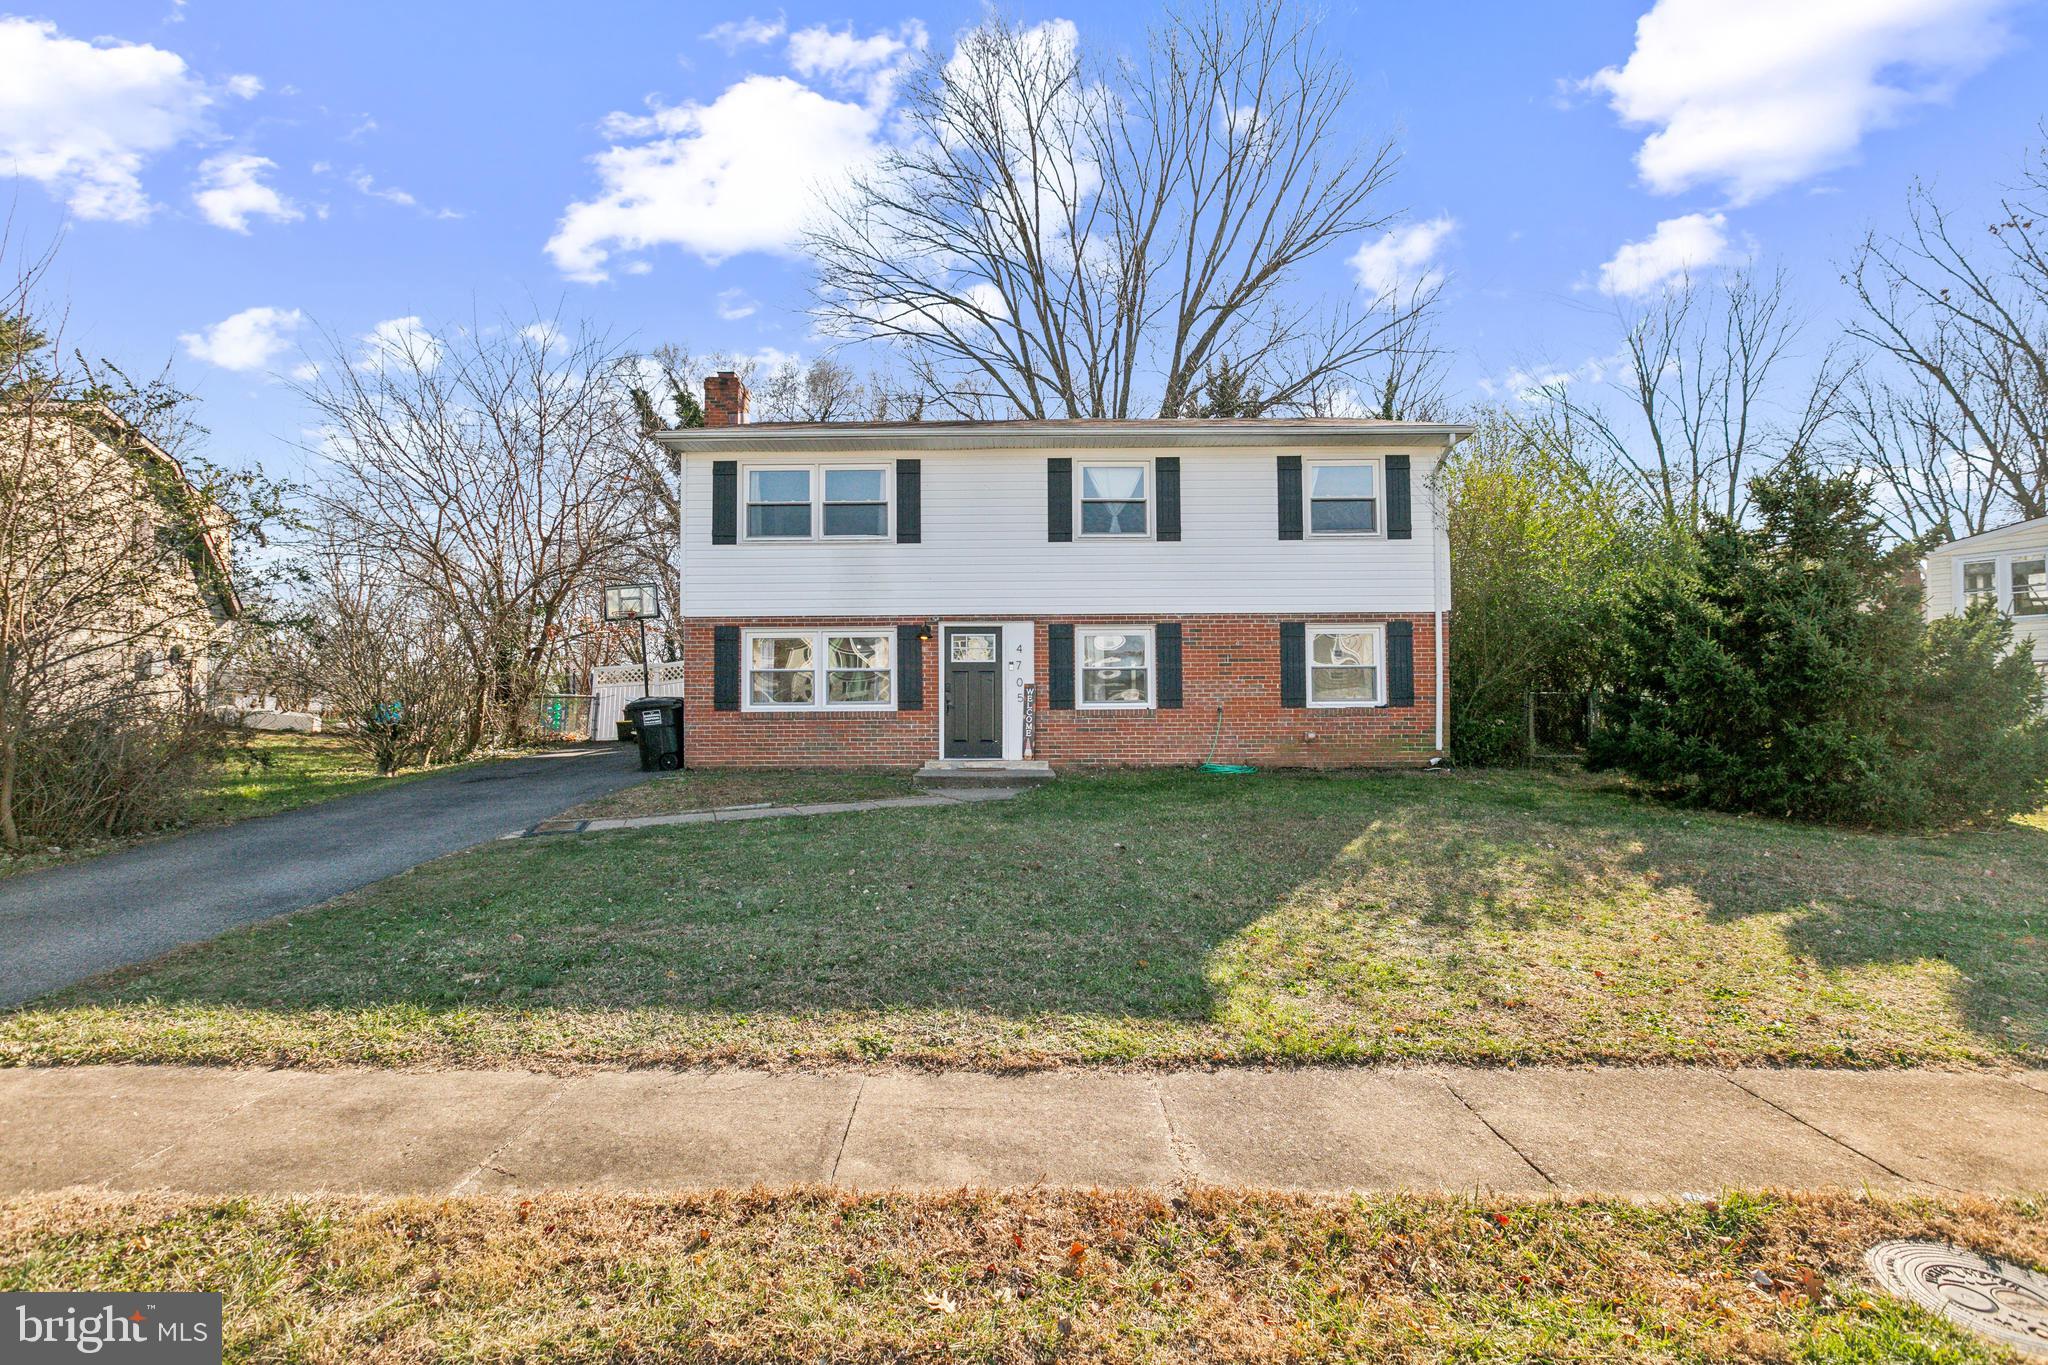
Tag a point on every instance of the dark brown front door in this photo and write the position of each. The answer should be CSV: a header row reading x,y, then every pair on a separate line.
x,y
974,692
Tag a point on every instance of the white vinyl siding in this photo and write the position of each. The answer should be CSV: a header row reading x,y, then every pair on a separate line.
x,y
1953,572
984,552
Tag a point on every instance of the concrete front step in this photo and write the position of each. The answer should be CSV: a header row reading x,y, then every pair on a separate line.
x,y
956,774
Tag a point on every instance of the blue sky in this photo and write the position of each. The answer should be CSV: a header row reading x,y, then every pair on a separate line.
x,y
235,182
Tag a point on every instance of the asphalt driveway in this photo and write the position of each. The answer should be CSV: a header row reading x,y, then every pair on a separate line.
x,y
67,923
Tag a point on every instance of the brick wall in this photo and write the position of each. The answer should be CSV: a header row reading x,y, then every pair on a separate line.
x,y
1228,662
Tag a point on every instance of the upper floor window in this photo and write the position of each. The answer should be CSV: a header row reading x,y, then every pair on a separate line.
x,y
1115,666
2030,586
1113,499
1343,497
1980,583
831,502
1344,666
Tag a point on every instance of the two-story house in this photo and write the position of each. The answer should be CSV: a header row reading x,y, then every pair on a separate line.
x,y
1087,592
2007,567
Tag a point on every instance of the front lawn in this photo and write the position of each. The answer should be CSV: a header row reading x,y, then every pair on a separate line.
x,y
679,793
813,1275
1161,918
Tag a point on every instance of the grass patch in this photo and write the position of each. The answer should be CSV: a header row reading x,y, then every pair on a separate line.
x,y
810,1275
677,793
1159,918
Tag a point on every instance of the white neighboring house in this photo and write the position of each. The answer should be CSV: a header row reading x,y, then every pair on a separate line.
x,y
2007,567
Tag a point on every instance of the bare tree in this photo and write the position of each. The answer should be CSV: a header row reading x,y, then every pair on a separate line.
x,y
1915,443
494,469
1969,323
1697,413
1054,241
113,584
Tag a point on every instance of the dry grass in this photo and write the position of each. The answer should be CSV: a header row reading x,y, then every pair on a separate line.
x,y
677,793
1163,919
812,1275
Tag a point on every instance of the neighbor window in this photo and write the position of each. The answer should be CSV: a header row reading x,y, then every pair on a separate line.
x,y
828,669
2030,587
1343,498
1115,667
1980,583
1344,666
1113,499
778,504
829,502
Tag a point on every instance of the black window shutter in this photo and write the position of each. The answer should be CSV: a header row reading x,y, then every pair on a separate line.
x,y
909,504
1059,670
1294,663
725,502
1166,470
1059,498
725,668
1166,643
1400,525
1290,497
909,661
1400,663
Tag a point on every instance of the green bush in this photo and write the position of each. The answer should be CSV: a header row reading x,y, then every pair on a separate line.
x,y
1784,668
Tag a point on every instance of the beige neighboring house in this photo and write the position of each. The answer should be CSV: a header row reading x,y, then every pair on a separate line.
x,y
162,639
2007,567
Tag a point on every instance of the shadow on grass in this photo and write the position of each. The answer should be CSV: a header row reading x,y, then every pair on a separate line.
x,y
1485,915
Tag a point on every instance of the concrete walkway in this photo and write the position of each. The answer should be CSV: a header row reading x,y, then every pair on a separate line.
x,y
1651,1132
768,810
64,924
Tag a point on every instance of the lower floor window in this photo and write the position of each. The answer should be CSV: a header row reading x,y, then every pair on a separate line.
x,y
1344,666
830,669
2030,587
1116,667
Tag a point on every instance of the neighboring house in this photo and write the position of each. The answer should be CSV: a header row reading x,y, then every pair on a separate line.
x,y
153,636
1090,592
2007,567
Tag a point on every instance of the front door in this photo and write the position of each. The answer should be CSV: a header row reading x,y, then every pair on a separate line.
x,y
974,692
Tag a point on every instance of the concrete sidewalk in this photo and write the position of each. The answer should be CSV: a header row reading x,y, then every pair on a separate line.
x,y
1650,1132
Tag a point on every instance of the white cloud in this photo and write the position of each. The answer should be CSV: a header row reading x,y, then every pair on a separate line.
x,y
735,33
1756,95
83,118
250,340
1403,259
733,304
364,184
738,174
230,191
245,87
406,340
850,63
1677,247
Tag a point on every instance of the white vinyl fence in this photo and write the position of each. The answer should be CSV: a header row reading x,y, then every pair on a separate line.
x,y
616,684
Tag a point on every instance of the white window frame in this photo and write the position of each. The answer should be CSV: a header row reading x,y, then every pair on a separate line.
x,y
1081,634
1377,629
1379,497
1963,583
820,667
817,474
2011,586
2002,580
1151,501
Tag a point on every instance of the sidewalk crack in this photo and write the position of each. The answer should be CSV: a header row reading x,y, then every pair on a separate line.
x,y
1807,1124
854,1108
490,1158
1505,1140
1176,1145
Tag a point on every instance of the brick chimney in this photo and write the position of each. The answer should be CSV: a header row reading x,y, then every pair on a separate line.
x,y
725,400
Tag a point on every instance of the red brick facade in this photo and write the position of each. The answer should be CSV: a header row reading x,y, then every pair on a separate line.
x,y
1231,662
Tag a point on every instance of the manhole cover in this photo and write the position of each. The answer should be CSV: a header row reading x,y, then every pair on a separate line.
x,y
2003,1301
